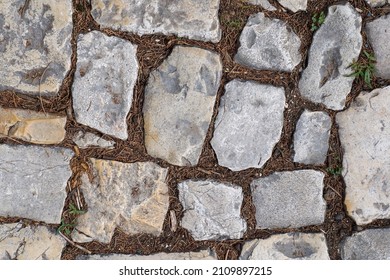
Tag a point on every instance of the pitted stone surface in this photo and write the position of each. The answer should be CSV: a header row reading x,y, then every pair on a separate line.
x,y
132,196
195,19
336,45
289,199
33,181
268,44
35,45
311,137
289,246
88,140
104,80
377,3
248,125
212,210
178,105
364,130
201,255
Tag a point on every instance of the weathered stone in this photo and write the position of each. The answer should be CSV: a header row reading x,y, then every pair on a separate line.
x,y
289,246
248,125
311,137
212,210
18,242
365,139
178,105
33,181
104,81
35,45
195,19
293,5
30,126
289,199
268,44
87,140
377,3
132,196
201,255
335,46
264,3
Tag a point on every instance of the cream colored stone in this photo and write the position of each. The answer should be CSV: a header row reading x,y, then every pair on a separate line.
x,y
201,255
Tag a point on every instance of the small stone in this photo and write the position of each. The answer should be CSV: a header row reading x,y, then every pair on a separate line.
x,y
105,76
289,199
87,140
33,182
201,255
377,3
178,104
248,125
289,246
268,44
311,137
264,3
212,210
294,5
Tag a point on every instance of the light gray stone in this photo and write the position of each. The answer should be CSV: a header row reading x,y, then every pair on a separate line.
x,y
289,199
311,137
264,3
33,181
294,5
201,255
268,44
104,80
364,130
195,19
35,45
178,104
248,125
88,140
132,196
335,46
212,210
289,246
377,3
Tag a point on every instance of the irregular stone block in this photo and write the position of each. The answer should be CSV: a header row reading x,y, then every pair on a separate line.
x,y
264,3
289,199
336,45
35,45
248,125
377,3
104,80
88,140
201,255
178,104
293,5
186,18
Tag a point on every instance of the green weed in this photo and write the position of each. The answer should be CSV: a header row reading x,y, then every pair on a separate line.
x,y
317,20
335,171
74,211
67,228
365,69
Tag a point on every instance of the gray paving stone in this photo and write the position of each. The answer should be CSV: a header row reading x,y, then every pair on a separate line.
x,y
212,210
35,45
377,3
293,5
195,19
335,46
104,80
178,104
289,199
87,140
263,3
201,255
248,125
33,181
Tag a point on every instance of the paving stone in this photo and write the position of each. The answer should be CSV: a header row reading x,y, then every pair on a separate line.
x,y
364,130
35,45
293,5
288,246
201,255
33,181
335,46
289,199
87,140
377,3
212,210
195,19
311,137
264,3
268,44
104,80
178,104
248,125
18,242
132,196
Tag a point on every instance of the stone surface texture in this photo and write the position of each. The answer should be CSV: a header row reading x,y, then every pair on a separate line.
x,y
335,46
104,81
377,3
35,45
178,104
248,125
293,5
264,3
201,255
88,140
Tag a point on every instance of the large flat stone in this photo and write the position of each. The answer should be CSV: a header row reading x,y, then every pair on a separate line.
x,y
212,210
364,130
248,125
289,199
336,45
132,196
201,255
178,105
104,80
35,45
33,181
194,19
